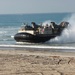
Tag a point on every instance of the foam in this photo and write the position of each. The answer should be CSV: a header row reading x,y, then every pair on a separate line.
x,y
38,47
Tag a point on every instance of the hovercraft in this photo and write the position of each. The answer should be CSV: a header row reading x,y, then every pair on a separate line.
x,y
39,33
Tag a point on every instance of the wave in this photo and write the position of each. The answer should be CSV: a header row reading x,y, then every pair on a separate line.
x,y
39,47
7,32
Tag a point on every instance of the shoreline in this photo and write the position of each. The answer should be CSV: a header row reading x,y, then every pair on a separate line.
x,y
38,48
36,62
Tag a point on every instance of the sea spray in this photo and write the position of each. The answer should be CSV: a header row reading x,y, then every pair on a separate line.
x,y
68,35
46,22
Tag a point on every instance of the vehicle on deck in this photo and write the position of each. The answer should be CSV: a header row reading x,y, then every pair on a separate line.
x,y
39,33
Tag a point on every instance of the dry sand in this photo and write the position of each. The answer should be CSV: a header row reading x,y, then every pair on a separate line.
x,y
23,62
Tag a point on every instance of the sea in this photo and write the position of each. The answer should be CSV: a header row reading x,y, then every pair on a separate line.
x,y
11,23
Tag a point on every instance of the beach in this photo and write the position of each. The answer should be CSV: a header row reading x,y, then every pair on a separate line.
x,y
36,62
55,57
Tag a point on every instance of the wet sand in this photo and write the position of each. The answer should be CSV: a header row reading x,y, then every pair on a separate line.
x,y
36,62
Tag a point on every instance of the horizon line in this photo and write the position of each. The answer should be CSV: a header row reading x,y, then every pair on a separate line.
x,y
33,13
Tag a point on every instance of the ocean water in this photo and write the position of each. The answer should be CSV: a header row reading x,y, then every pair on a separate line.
x,y
10,24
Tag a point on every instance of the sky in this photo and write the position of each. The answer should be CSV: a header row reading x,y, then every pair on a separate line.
x,y
36,6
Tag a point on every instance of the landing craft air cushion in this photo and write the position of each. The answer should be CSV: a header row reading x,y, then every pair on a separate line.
x,y
39,33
